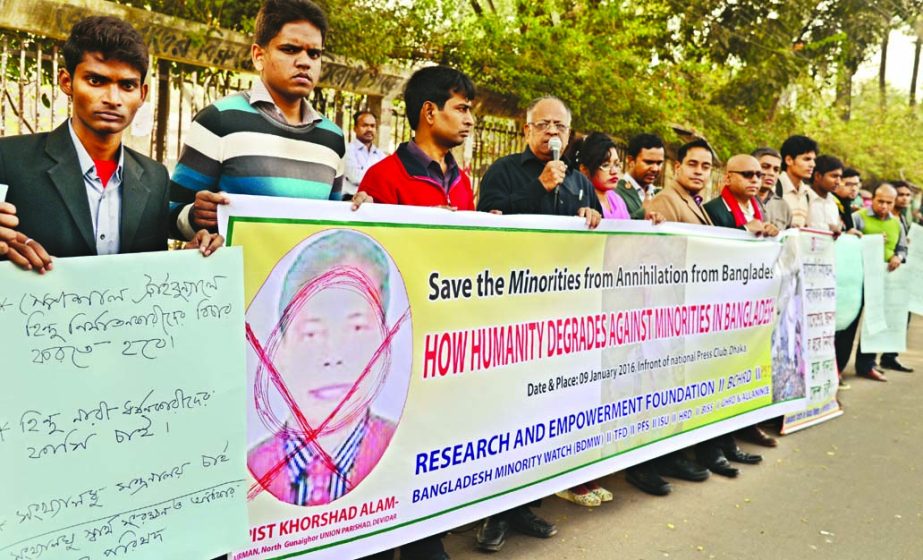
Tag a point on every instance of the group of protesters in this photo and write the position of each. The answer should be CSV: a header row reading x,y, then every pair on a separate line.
x,y
78,191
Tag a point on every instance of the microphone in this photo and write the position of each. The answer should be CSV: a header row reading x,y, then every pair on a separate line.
x,y
555,144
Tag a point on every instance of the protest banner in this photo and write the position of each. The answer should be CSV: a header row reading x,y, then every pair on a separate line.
x,y
873,285
413,369
884,325
803,341
849,276
893,338
914,267
120,427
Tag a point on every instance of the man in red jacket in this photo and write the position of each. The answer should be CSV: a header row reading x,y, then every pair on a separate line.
x,y
423,172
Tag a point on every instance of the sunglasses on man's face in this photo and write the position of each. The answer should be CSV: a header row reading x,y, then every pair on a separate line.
x,y
748,174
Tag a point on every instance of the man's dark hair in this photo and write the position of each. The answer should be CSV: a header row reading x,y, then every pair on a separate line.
x,y
358,114
590,151
766,151
796,145
826,163
274,14
697,143
643,141
901,183
115,39
850,172
435,84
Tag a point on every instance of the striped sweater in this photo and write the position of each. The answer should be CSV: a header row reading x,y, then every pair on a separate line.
x,y
237,148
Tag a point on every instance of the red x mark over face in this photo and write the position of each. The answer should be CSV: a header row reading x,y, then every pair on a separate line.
x,y
315,358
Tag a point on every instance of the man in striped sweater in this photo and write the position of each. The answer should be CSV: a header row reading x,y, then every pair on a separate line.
x,y
269,140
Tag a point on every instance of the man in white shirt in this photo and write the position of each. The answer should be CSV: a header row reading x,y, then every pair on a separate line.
x,y
823,212
798,155
361,153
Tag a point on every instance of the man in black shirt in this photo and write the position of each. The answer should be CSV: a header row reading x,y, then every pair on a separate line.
x,y
845,194
533,182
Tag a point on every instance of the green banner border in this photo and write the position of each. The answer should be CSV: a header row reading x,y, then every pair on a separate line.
x,y
232,220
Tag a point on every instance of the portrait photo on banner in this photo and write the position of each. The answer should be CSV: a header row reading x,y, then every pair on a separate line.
x,y
329,361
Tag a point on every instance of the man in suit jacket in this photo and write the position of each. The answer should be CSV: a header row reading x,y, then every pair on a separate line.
x,y
676,204
738,205
644,161
77,190
680,201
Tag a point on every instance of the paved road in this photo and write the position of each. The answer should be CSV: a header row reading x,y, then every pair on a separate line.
x,y
850,488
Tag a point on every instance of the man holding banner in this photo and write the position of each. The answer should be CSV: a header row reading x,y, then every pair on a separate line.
x,y
644,161
681,202
738,206
267,141
535,182
902,212
877,220
423,172
78,190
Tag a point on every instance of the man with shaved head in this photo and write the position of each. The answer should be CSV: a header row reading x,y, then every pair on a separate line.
x,y
902,212
878,219
738,205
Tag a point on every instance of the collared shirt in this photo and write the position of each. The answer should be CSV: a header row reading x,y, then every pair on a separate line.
x,y
358,160
642,192
797,199
778,213
105,202
311,477
261,99
433,169
749,210
823,212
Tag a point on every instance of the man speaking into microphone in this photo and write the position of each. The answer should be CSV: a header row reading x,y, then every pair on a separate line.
x,y
536,181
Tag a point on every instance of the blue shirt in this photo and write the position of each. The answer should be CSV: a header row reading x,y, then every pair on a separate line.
x,y
358,160
105,202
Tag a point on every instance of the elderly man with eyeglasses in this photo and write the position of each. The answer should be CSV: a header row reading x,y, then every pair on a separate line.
x,y
535,181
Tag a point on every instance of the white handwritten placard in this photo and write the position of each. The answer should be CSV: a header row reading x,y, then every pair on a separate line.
x,y
121,424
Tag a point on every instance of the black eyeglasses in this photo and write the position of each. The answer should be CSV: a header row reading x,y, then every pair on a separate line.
x,y
748,174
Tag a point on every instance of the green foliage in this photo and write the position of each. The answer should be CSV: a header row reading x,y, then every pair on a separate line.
x,y
741,73
883,143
